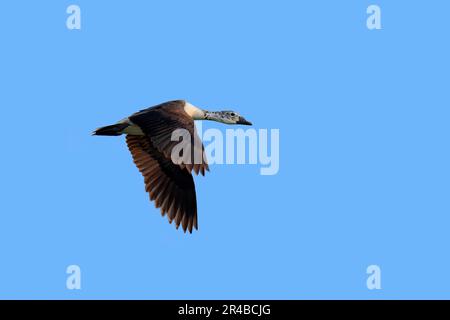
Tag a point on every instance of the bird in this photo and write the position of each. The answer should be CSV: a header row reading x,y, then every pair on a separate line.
x,y
168,180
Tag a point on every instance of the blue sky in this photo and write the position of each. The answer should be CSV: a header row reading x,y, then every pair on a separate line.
x,y
364,161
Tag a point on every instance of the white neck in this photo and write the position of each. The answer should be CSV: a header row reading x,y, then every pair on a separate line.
x,y
194,112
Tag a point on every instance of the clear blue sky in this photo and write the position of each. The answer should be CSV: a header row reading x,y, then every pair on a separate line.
x,y
364,158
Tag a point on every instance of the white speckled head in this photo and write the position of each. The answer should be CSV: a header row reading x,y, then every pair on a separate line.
x,y
227,117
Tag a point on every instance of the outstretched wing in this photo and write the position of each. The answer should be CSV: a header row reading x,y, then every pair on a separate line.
x,y
169,185
160,122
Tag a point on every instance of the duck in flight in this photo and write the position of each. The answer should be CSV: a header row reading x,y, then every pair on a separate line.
x,y
149,136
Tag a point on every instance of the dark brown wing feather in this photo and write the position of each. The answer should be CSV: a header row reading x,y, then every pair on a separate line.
x,y
159,122
170,186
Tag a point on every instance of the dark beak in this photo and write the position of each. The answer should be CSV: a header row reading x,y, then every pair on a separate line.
x,y
243,121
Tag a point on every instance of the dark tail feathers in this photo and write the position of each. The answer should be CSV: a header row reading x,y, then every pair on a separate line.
x,y
112,130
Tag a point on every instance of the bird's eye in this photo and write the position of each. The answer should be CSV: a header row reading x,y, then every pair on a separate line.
x,y
233,114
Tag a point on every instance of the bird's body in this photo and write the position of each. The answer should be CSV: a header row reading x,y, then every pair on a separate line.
x,y
149,136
